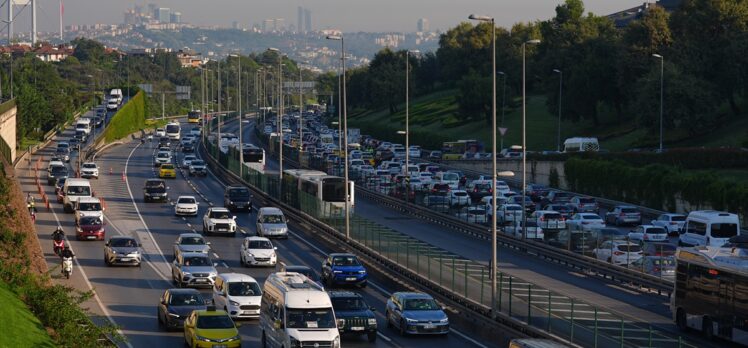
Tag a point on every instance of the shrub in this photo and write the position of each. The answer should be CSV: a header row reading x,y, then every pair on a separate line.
x,y
129,119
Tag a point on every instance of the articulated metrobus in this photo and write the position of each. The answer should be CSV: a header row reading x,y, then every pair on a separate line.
x,y
711,292
327,191
193,116
254,157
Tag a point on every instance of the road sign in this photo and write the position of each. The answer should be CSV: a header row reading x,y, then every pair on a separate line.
x,y
183,92
503,130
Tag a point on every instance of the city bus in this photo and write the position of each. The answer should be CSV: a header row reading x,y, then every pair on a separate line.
x,y
454,150
173,130
711,291
325,194
193,116
254,157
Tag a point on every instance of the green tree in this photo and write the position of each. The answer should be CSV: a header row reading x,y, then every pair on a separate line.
x,y
474,97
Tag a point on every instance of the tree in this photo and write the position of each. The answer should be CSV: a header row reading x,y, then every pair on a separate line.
x,y
474,97
87,50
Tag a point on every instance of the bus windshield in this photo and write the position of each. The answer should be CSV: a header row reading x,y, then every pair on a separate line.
x,y
172,128
333,190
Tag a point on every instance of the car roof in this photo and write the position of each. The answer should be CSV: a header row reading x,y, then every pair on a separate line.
x,y
237,277
180,197
341,255
271,210
184,291
413,295
88,200
195,254
257,238
186,235
205,312
221,209
121,237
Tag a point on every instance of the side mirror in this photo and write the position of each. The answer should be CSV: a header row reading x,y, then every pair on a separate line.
x,y
275,248
233,217
372,309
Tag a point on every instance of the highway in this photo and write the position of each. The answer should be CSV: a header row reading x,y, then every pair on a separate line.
x,y
128,295
631,304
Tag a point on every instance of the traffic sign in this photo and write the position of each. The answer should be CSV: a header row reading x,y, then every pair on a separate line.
x,y
503,130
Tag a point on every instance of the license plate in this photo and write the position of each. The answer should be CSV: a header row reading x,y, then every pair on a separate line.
x,y
351,279
220,346
429,327
200,280
250,312
221,229
125,259
357,328
91,237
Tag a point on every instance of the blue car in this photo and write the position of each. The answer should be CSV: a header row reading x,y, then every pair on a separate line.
x,y
416,313
343,269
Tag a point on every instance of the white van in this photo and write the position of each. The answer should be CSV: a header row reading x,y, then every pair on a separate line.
x,y
710,228
580,144
271,223
116,94
89,206
449,178
238,294
74,189
296,309
83,124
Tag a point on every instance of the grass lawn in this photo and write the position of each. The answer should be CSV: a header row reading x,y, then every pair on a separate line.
x,y
26,142
20,327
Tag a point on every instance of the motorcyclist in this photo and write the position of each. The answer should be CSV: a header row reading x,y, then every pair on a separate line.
x,y
30,204
67,252
58,234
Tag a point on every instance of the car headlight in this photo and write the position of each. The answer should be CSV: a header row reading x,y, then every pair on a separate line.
x,y
444,321
336,342
235,338
201,338
362,272
174,315
233,303
372,321
411,321
186,274
337,272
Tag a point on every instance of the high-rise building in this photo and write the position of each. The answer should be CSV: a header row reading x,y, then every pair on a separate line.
x,y
299,19
278,24
423,25
307,20
266,25
162,14
176,17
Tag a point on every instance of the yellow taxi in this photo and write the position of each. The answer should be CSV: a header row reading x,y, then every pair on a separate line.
x,y
211,328
167,171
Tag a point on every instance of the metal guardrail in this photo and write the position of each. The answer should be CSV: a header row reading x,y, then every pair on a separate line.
x,y
542,250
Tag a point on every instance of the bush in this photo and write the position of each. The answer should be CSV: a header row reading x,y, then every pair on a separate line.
x,y
685,158
129,119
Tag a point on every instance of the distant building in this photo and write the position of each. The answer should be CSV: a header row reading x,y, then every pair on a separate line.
x,y
267,25
235,25
189,58
423,25
623,18
162,14
176,17
307,20
299,19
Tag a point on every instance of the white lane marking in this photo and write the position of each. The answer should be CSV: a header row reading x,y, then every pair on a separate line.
x,y
467,338
147,262
380,334
216,255
90,286
137,211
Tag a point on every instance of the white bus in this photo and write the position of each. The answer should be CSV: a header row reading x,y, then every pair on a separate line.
x,y
254,157
327,190
173,130
711,291
580,144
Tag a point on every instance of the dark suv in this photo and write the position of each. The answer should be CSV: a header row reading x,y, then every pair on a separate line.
x,y
237,197
155,190
355,317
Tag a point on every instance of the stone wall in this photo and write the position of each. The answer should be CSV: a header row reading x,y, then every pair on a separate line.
x,y
538,172
8,130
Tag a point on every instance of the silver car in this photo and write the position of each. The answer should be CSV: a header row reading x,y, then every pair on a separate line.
x,y
416,313
191,243
193,269
122,250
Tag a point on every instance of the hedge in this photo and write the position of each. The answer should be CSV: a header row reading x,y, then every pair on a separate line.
x,y
129,119
387,132
686,158
656,186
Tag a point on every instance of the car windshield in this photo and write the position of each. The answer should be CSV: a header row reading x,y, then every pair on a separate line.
x,y
89,206
656,230
678,218
78,191
460,193
513,207
725,230
89,165
630,248
244,289
192,241
214,322
629,210
122,243
273,219
186,200
586,200
186,300
239,193
421,304
591,217
260,244
345,261
319,318
163,155
349,304
551,216
219,215
196,261
89,221
167,166
58,170
197,163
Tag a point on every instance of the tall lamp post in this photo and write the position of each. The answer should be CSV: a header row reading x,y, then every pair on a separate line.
x,y
280,116
560,86
524,135
662,89
407,121
239,110
494,237
503,104
345,138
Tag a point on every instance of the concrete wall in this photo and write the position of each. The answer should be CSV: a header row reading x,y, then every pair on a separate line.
x,y
8,127
538,172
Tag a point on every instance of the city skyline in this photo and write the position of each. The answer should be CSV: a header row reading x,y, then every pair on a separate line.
x,y
352,16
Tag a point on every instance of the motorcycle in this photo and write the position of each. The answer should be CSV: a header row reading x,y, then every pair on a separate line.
x,y
58,246
67,266
32,212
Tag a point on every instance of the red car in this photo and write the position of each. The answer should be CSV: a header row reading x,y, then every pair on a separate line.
x,y
89,228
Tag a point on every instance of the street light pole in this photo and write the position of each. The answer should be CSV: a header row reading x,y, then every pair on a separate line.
x,y
560,86
239,110
503,104
494,171
524,136
301,117
662,89
407,123
345,139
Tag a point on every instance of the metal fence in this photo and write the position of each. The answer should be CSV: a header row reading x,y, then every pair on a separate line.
x,y
569,318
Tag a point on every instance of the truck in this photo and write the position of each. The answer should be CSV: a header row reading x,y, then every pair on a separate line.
x,y
354,135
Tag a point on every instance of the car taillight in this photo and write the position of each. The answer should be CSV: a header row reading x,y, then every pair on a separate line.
x,y
656,269
475,189
542,218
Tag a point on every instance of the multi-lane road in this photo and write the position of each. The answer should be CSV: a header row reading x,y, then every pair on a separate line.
x,y
128,295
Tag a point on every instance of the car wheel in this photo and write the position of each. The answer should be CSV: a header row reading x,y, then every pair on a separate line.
x,y
402,328
680,320
106,261
707,328
387,318
372,336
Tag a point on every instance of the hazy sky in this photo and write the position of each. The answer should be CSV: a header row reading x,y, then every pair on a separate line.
x,y
349,15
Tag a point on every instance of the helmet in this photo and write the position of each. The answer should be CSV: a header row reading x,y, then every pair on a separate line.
x,y
67,247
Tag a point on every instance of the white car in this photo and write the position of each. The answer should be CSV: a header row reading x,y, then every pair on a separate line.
x,y
617,252
673,223
238,294
487,201
459,198
502,188
427,178
186,205
533,230
509,213
219,220
475,214
648,233
195,131
549,219
187,160
160,132
355,164
162,157
89,170
258,251
186,140
89,206
414,151
584,222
